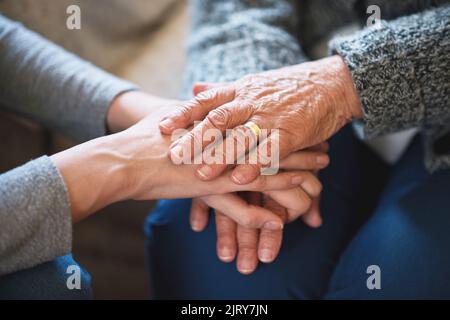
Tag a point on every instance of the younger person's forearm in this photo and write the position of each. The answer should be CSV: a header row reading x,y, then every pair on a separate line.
x,y
94,175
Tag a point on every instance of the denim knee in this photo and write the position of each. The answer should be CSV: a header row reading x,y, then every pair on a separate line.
x,y
183,264
47,281
407,238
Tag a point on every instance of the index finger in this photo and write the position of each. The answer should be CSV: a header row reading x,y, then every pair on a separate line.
x,y
210,130
196,109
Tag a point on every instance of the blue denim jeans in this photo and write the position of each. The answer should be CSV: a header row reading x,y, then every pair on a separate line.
x,y
45,281
396,218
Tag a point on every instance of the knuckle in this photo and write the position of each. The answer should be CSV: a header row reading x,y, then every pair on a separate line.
x,y
249,219
306,204
188,138
243,138
316,185
303,204
224,233
248,80
219,118
247,246
194,138
269,240
313,183
205,98
261,183
183,112
189,143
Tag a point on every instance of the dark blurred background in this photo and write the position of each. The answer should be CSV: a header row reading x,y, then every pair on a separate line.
x,y
139,40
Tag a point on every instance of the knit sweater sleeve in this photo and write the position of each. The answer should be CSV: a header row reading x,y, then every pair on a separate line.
x,y
401,71
232,38
42,81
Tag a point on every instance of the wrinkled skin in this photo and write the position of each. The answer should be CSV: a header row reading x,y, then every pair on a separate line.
x,y
241,220
308,103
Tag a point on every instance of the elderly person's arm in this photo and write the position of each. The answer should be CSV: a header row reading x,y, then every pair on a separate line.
x,y
401,72
228,40
232,38
394,78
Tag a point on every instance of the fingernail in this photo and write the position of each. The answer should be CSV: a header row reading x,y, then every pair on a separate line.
x,y
225,254
205,172
195,225
238,177
273,225
175,154
245,266
167,124
297,180
322,160
265,255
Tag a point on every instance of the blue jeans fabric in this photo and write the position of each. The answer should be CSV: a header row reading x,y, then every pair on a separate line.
x,y
45,281
408,237
183,264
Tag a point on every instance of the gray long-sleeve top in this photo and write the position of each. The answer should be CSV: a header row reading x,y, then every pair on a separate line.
x,y
41,81
401,71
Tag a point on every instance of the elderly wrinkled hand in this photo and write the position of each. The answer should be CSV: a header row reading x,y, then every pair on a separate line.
x,y
133,164
307,103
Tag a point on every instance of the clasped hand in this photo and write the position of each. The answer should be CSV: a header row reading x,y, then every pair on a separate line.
x,y
306,103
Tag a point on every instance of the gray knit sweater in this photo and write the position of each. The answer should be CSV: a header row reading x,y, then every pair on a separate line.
x,y
42,81
401,70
